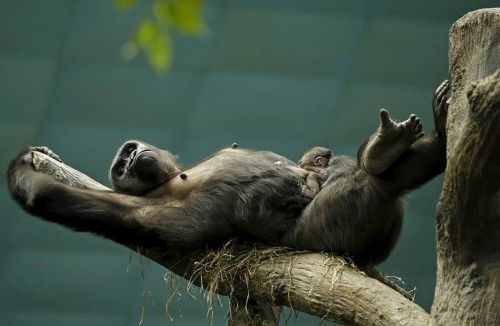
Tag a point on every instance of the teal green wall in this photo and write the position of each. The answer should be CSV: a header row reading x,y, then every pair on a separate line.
x,y
272,74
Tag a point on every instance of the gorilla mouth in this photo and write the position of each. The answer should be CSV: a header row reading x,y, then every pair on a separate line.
x,y
135,163
142,155
128,164
140,158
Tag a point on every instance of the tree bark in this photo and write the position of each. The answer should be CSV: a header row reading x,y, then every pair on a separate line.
x,y
468,212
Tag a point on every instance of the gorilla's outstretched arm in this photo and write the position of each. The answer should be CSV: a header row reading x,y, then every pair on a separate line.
x,y
122,218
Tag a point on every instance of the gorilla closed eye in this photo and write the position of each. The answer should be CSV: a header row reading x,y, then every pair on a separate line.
x,y
129,148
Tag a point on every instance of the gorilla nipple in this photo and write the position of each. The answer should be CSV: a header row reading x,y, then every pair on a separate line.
x,y
183,176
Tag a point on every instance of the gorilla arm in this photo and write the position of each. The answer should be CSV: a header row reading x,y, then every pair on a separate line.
x,y
122,218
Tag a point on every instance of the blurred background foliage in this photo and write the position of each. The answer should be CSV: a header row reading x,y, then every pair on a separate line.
x,y
152,34
279,75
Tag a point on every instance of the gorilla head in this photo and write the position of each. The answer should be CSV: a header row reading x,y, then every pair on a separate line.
x,y
139,167
315,157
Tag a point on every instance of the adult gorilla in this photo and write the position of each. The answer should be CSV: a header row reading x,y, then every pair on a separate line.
x,y
246,194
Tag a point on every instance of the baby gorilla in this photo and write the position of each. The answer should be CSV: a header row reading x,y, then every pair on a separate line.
x,y
325,167
139,167
315,161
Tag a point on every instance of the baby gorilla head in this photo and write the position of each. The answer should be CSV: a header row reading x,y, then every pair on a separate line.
x,y
139,167
318,157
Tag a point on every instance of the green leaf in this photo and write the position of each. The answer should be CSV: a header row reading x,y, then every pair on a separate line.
x,y
125,4
160,53
156,43
162,11
152,34
184,15
147,32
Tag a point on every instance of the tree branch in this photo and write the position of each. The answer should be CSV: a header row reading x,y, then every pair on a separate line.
x,y
263,313
315,283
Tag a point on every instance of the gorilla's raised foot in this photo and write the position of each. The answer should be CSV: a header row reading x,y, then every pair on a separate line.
x,y
390,141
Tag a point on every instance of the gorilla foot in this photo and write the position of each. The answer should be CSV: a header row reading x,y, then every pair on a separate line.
x,y
390,141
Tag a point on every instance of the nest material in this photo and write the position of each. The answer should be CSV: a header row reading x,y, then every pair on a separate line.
x,y
229,270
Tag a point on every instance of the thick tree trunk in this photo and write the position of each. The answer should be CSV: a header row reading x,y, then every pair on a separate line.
x,y
468,213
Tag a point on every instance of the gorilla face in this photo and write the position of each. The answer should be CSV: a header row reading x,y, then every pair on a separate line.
x,y
139,167
316,157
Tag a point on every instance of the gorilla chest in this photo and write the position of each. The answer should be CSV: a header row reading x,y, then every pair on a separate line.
x,y
231,166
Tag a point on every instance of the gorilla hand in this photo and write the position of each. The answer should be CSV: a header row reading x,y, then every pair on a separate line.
x,y
440,108
25,184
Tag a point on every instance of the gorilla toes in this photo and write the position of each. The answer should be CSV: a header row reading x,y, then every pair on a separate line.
x,y
405,132
390,141
411,128
385,121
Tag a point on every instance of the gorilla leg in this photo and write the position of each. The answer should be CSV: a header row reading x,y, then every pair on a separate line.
x,y
354,215
403,164
361,213
418,163
390,141
425,159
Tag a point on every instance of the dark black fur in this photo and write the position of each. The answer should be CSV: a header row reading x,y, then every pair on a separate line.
x,y
248,196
